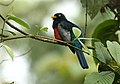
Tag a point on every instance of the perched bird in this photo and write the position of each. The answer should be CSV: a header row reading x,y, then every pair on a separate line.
x,y
63,31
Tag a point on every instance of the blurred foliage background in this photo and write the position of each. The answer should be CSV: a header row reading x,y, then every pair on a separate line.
x,y
46,63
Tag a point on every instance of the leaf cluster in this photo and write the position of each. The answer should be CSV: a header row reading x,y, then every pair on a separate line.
x,y
107,48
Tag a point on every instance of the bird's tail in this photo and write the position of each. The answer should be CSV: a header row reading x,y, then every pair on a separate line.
x,y
82,59
80,55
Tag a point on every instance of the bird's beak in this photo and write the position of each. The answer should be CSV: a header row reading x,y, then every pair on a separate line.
x,y
53,17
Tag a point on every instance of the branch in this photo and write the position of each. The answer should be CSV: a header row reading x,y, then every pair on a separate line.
x,y
44,39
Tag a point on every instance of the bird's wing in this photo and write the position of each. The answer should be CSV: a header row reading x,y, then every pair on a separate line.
x,y
64,34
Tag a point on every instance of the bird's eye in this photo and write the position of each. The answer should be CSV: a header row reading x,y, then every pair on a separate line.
x,y
59,15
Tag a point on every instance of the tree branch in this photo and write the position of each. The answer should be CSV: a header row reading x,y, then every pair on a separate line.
x,y
44,39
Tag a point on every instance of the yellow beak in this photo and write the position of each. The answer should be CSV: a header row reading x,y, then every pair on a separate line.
x,y
53,17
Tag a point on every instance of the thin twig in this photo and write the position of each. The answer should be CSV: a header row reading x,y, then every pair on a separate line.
x,y
2,30
17,56
86,19
2,35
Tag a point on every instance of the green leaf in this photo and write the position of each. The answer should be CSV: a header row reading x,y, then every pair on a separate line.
x,y
6,3
114,49
76,31
9,51
102,53
118,33
106,31
45,29
38,26
105,77
93,6
42,28
19,21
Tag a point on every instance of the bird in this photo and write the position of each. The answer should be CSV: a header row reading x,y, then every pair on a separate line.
x,y
63,31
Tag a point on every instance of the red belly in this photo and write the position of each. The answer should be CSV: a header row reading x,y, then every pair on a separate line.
x,y
56,34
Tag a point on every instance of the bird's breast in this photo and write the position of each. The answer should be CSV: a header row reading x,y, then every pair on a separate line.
x,y
56,34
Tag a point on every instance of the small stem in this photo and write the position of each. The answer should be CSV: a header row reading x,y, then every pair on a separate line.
x,y
86,19
2,30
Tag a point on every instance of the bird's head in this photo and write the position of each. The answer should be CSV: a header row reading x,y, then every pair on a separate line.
x,y
58,17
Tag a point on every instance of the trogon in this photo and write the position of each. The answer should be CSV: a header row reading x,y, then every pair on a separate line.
x,y
63,31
